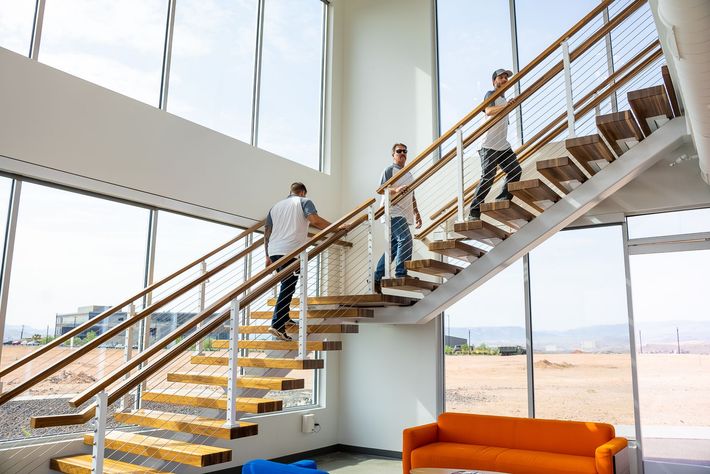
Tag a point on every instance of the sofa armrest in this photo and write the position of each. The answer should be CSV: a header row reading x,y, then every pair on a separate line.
x,y
412,438
612,457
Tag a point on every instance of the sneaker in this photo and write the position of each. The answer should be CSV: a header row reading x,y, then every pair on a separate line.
x,y
378,287
280,335
507,197
291,324
474,215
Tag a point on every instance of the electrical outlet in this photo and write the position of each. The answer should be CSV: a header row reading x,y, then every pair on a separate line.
x,y
308,423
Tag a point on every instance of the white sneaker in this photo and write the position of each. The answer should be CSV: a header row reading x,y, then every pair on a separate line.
x,y
281,336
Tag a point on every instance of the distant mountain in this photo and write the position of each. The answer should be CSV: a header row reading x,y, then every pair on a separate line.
x,y
12,332
601,338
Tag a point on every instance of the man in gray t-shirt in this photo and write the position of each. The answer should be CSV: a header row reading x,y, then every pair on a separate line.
x,y
495,150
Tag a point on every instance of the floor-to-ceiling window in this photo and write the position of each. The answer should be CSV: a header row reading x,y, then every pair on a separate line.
x,y
582,362
669,260
484,338
16,18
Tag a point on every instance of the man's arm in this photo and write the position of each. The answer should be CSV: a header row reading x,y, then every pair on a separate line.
x,y
267,234
317,221
417,216
495,109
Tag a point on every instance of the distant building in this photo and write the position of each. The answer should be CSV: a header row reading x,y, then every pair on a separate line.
x,y
452,341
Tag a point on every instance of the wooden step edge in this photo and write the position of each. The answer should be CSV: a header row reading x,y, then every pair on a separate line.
x,y
263,362
198,455
279,345
245,404
313,329
480,230
81,464
260,383
411,282
345,313
212,427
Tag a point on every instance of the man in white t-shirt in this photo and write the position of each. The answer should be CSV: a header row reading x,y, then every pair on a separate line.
x,y
495,150
402,216
286,230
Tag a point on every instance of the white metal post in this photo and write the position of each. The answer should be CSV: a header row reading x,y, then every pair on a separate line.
x,y
233,364
459,172
203,296
370,242
568,88
388,232
128,341
97,451
303,321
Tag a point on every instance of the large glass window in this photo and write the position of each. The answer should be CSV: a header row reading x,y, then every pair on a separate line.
x,y
212,71
484,340
582,361
470,49
118,45
682,222
289,114
16,17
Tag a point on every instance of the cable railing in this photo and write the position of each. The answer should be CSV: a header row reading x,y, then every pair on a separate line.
x,y
233,299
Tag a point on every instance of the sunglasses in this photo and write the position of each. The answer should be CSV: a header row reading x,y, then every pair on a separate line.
x,y
404,152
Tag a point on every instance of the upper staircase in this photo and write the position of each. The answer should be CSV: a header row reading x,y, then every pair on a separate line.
x,y
183,398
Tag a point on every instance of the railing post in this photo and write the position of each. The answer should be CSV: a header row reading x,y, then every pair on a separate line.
x,y
203,297
303,320
97,450
233,364
128,341
459,173
568,88
370,242
388,231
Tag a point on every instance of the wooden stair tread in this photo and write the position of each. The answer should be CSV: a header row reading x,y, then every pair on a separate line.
x,y
352,301
430,266
480,230
279,345
198,455
198,398
312,329
648,104
534,193
212,427
560,171
456,248
670,90
507,212
261,383
408,283
265,362
589,151
321,313
620,130
81,464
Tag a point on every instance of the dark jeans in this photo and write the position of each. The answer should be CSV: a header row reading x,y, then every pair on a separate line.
x,y
490,160
400,249
288,288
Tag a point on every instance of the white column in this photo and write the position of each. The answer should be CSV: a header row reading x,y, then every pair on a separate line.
x,y
232,393
303,322
388,233
370,242
459,173
97,450
568,89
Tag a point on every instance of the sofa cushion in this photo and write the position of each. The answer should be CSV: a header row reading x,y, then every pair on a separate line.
x,y
521,461
456,456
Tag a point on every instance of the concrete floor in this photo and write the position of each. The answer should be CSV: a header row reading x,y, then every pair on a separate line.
x,y
351,463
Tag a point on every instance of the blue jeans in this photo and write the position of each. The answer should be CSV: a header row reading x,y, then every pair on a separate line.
x,y
401,249
283,302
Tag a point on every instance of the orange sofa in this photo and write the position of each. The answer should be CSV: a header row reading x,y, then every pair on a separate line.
x,y
514,445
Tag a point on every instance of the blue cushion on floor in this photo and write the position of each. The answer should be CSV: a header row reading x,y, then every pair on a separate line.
x,y
259,466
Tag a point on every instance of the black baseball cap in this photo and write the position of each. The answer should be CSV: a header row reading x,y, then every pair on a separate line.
x,y
498,72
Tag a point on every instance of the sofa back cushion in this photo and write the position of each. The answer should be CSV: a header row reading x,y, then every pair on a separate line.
x,y
556,436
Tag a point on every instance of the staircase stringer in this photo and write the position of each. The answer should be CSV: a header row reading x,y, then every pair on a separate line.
x,y
573,206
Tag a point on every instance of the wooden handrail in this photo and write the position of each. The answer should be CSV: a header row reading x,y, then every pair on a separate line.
x,y
551,133
539,83
487,102
92,322
108,334
209,327
447,207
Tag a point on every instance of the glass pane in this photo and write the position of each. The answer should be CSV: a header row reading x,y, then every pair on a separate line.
x,y
468,56
289,114
673,351
11,332
669,223
16,18
478,331
580,328
118,45
212,69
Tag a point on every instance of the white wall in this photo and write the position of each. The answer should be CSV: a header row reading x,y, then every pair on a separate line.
x,y
59,122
